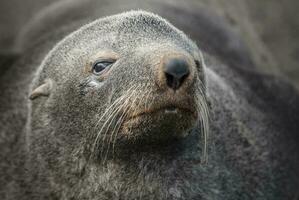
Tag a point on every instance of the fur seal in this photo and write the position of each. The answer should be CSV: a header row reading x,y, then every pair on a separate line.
x,y
119,109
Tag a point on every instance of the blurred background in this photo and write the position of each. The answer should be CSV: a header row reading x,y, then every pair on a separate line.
x,y
270,28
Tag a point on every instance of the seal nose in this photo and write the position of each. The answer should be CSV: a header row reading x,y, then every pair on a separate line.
x,y
176,70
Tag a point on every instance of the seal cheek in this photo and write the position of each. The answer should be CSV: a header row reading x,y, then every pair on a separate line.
x,y
42,90
89,86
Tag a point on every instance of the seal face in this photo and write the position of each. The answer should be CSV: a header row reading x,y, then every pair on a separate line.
x,y
124,80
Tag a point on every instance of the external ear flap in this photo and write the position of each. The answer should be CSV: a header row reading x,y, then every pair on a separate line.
x,y
42,90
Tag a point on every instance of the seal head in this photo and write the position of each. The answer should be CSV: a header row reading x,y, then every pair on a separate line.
x,y
120,83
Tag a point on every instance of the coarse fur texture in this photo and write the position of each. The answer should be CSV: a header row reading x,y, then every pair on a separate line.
x,y
74,139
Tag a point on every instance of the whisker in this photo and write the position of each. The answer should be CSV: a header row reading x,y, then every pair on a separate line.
x,y
109,111
146,100
125,104
204,119
128,109
111,119
116,101
119,123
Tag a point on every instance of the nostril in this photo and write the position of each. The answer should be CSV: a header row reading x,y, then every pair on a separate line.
x,y
170,81
176,71
173,82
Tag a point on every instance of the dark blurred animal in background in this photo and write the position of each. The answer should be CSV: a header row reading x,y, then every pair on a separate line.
x,y
129,107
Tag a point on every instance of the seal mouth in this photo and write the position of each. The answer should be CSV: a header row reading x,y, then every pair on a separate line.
x,y
171,110
167,110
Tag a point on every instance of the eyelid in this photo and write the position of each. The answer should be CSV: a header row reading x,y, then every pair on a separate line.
x,y
107,56
105,60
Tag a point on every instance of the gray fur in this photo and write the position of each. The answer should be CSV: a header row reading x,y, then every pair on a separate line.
x,y
46,143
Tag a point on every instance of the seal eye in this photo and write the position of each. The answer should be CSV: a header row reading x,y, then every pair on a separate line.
x,y
100,66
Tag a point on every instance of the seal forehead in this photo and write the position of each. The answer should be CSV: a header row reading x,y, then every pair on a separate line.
x,y
134,27
144,21
136,20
